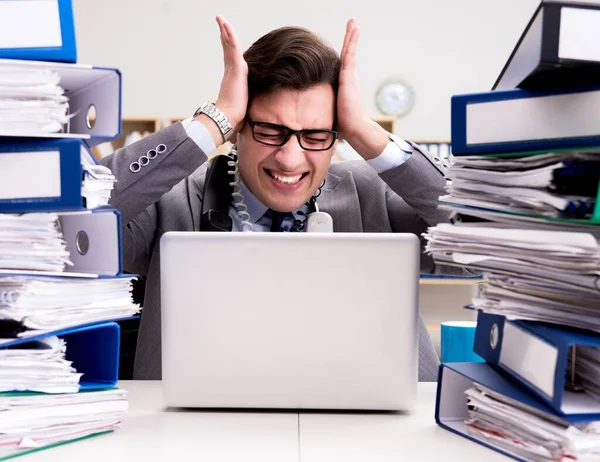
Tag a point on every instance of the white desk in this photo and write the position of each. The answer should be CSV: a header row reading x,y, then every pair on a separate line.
x,y
149,433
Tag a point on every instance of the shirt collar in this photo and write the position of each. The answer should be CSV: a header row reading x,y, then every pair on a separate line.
x,y
256,209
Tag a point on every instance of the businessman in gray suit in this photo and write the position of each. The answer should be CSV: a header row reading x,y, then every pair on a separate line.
x,y
283,102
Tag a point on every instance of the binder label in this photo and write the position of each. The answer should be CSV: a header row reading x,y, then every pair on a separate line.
x,y
579,34
29,24
529,357
30,175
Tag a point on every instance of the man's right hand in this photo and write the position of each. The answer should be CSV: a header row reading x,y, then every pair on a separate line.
x,y
233,94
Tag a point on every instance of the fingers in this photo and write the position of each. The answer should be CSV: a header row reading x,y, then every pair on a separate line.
x,y
350,25
348,57
224,39
231,46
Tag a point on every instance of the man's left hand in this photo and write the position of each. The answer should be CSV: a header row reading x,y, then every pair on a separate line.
x,y
365,135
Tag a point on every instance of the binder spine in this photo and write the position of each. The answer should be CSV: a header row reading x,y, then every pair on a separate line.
x,y
71,176
513,348
93,349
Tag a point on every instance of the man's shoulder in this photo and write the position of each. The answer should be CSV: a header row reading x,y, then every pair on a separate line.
x,y
360,170
190,185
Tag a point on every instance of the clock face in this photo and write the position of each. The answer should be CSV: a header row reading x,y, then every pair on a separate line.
x,y
394,98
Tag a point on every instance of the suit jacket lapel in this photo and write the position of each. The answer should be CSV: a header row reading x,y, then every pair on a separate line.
x,y
195,186
339,198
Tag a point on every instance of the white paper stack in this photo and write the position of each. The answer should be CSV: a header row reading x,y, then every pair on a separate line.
x,y
33,421
98,182
45,303
538,275
31,101
496,219
38,366
532,434
534,300
32,242
546,185
566,258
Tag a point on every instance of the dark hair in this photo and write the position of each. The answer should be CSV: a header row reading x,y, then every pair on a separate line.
x,y
290,58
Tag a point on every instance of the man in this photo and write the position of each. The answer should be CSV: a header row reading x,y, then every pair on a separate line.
x,y
283,102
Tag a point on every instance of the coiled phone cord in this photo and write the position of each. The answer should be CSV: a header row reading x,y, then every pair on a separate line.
x,y
236,196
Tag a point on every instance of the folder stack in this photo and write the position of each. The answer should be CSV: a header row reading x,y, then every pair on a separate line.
x,y
524,191
62,285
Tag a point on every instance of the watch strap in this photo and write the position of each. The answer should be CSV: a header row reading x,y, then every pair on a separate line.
x,y
218,117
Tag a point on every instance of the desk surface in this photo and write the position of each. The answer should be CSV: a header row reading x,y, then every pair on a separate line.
x,y
151,433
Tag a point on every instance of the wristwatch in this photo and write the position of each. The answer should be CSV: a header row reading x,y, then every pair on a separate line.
x,y
219,118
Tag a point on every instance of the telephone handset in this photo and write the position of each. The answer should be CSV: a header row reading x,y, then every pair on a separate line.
x,y
217,195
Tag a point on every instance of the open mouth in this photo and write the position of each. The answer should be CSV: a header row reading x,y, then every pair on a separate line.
x,y
285,179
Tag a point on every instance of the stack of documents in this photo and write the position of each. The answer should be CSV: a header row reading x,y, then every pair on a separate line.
x,y
569,259
59,342
586,367
536,300
481,218
98,182
556,184
30,421
524,192
527,432
31,101
32,242
550,276
39,366
46,303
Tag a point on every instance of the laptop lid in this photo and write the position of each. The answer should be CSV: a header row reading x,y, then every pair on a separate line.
x,y
289,320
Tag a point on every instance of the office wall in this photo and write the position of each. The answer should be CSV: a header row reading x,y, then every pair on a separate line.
x,y
170,55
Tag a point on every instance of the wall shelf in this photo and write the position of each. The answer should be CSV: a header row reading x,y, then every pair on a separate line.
x,y
129,125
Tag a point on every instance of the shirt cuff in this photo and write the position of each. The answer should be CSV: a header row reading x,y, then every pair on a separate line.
x,y
200,134
395,154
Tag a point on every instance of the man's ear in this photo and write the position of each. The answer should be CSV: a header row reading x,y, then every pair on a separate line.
x,y
238,129
334,148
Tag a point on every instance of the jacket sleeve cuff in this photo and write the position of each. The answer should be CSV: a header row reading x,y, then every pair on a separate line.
x,y
395,154
201,136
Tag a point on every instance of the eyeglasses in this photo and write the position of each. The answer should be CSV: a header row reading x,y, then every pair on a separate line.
x,y
278,135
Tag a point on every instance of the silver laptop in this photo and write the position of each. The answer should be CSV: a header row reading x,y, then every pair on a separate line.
x,y
289,320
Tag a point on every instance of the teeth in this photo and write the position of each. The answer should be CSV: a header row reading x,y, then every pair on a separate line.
x,y
286,179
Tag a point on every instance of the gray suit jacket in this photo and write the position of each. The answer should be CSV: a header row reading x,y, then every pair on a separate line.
x,y
166,194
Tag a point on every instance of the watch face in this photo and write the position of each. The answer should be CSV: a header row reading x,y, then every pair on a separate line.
x,y
394,98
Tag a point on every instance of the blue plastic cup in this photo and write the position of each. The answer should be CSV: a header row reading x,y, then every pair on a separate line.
x,y
457,339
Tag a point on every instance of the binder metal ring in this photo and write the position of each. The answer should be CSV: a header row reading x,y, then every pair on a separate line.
x,y
494,334
151,154
82,242
144,160
135,167
161,148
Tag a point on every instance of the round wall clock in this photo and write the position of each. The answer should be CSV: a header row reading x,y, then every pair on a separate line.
x,y
395,98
